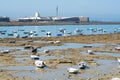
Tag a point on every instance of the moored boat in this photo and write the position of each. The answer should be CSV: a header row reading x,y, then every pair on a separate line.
x,y
72,70
40,64
82,65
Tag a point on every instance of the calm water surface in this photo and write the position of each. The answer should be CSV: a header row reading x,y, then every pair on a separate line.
x,y
55,29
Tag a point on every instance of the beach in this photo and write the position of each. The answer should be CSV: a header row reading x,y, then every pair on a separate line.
x,y
103,65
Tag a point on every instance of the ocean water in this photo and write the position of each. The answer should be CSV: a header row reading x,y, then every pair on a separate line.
x,y
56,30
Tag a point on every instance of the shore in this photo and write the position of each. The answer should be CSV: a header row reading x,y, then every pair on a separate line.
x,y
11,66
13,23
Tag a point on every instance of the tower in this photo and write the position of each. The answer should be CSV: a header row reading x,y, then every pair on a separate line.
x,y
37,14
57,11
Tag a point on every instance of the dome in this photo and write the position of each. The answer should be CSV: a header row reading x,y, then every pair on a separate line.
x,y
37,14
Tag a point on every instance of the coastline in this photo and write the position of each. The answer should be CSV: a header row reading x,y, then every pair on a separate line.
x,y
56,23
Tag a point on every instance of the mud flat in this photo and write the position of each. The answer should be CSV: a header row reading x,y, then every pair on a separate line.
x,y
102,65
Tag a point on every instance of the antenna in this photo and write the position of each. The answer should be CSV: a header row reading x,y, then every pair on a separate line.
x,y
57,11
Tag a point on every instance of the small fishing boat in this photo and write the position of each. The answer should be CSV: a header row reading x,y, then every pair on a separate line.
x,y
46,51
10,34
118,60
117,48
72,70
12,41
48,34
27,47
56,42
90,52
87,46
34,57
115,79
40,64
34,49
82,65
5,51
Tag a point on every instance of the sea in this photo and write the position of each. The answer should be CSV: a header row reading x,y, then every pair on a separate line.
x,y
56,30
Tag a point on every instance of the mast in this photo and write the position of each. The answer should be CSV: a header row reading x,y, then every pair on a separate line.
x,y
57,11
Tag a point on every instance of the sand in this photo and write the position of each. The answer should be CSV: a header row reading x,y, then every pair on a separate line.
x,y
72,56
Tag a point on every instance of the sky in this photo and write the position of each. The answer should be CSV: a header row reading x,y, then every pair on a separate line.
x,y
100,10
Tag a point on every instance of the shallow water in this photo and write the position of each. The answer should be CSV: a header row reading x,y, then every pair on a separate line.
x,y
104,53
60,72
54,29
107,66
21,68
70,45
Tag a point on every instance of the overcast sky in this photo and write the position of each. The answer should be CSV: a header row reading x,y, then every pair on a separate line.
x,y
95,9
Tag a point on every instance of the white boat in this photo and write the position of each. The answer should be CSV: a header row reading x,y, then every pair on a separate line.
x,y
46,51
35,57
90,52
118,60
115,79
56,42
72,70
48,34
117,48
5,51
34,49
82,65
40,64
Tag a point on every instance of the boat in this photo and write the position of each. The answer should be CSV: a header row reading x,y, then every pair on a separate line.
x,y
82,65
48,34
27,47
34,57
87,46
90,52
118,60
117,48
34,50
115,79
72,70
40,64
12,41
5,51
46,51
56,42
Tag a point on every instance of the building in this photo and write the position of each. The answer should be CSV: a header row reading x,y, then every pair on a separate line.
x,y
84,19
35,18
71,19
38,18
4,19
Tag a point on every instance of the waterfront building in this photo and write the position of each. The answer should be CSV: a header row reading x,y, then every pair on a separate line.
x,y
84,19
35,18
71,19
38,18
4,19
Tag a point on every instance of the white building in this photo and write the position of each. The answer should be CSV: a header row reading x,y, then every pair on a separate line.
x,y
35,18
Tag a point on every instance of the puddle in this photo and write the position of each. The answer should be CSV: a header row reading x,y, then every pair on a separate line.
x,y
21,68
44,57
21,60
107,66
52,74
103,52
70,45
